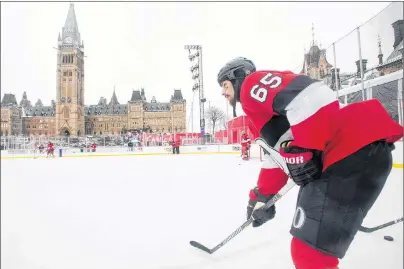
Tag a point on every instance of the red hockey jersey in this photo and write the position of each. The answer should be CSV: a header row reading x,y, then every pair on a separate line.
x,y
245,140
315,118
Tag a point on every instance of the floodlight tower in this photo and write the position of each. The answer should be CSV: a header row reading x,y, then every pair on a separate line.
x,y
195,55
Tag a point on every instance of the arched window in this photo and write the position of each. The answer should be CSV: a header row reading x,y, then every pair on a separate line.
x,y
66,112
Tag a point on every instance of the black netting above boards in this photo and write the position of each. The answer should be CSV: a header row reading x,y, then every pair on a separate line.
x,y
387,94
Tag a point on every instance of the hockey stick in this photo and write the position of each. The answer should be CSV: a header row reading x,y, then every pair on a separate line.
x,y
274,154
278,159
270,203
372,229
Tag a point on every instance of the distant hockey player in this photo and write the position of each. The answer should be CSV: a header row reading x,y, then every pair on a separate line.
x,y
41,148
339,156
130,145
245,146
93,147
50,150
176,146
36,150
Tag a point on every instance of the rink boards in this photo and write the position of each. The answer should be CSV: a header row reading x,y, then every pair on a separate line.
x,y
234,149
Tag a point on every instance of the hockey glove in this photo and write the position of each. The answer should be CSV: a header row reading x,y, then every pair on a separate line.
x,y
254,208
304,165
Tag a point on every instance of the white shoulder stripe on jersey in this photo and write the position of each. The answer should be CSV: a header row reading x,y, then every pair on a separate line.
x,y
309,101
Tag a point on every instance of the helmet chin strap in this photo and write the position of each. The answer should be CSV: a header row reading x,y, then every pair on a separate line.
x,y
236,86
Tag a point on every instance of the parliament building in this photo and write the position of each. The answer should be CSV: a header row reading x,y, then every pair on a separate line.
x,y
68,115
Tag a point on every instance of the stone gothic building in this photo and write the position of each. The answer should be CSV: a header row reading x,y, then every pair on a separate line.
x,y
68,114
316,66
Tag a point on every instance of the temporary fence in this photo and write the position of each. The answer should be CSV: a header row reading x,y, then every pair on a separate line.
x,y
368,62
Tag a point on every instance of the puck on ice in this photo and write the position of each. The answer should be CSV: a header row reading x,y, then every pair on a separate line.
x,y
388,238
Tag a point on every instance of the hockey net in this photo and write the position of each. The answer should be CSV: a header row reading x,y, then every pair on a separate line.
x,y
256,152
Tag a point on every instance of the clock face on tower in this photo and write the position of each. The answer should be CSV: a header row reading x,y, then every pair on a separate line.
x,y
68,40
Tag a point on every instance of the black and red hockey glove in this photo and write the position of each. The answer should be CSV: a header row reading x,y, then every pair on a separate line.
x,y
304,165
254,208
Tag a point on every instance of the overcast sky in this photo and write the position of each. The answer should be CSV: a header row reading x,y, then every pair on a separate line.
x,y
133,45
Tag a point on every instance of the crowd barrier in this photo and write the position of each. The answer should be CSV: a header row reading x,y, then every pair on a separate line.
x,y
234,149
125,151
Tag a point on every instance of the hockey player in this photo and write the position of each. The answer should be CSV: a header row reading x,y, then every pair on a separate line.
x,y
50,149
41,148
36,150
340,157
245,146
176,146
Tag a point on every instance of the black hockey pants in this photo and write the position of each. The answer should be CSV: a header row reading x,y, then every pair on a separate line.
x,y
330,210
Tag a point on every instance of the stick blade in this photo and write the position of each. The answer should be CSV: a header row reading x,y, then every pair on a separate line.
x,y
200,246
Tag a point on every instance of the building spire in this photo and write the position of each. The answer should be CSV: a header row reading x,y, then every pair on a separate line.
x,y
379,43
71,21
114,99
70,31
312,34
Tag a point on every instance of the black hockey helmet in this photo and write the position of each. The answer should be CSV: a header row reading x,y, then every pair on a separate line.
x,y
236,71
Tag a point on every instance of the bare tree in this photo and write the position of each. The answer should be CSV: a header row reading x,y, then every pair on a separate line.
x,y
223,122
214,115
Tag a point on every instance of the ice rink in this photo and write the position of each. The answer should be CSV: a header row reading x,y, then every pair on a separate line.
x,y
142,211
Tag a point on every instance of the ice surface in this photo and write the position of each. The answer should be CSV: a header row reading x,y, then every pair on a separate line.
x,y
141,212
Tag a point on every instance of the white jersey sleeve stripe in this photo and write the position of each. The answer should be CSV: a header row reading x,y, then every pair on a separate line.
x,y
314,97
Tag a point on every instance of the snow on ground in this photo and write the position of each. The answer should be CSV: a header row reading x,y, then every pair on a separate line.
x,y
142,211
